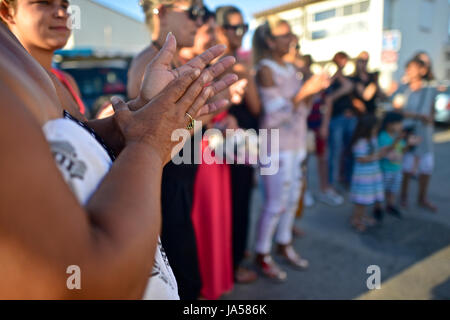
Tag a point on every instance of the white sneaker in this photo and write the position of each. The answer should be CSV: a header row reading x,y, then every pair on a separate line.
x,y
308,199
331,198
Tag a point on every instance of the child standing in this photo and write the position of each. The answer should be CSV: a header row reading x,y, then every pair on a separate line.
x,y
367,181
391,164
392,137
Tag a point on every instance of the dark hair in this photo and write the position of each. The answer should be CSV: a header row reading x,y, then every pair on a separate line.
x,y
364,128
341,55
209,14
416,61
429,76
307,58
222,14
391,117
260,47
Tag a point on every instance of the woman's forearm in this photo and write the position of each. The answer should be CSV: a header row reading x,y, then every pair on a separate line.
x,y
127,217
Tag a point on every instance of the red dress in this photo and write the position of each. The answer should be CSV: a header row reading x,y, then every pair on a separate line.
x,y
211,217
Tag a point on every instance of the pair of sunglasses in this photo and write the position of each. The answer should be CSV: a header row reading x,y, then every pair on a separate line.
x,y
195,12
239,29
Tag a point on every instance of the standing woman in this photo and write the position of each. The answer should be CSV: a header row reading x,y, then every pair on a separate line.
x,y
284,102
230,32
42,27
177,235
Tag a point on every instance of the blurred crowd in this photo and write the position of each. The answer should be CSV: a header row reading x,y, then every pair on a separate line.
x,y
364,153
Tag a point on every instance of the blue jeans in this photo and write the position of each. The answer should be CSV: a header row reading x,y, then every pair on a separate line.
x,y
339,139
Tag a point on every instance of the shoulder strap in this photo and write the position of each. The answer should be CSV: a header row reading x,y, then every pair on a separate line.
x,y
60,75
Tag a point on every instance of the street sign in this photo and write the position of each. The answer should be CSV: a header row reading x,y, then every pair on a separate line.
x,y
392,40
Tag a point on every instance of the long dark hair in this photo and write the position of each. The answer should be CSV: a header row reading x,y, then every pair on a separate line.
x,y
364,129
260,47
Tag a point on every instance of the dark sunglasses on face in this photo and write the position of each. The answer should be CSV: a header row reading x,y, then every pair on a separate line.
x,y
239,29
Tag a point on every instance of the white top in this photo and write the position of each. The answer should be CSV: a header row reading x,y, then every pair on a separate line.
x,y
278,107
84,163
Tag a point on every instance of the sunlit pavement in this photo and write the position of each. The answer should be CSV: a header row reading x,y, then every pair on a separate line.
x,y
413,254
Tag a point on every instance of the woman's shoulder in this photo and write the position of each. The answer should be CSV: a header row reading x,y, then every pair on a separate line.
x,y
264,76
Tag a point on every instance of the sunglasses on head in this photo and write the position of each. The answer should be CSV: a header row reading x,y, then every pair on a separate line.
x,y
239,29
194,12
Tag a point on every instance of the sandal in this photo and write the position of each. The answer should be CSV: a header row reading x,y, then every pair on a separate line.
x,y
269,268
358,226
294,259
297,232
428,205
245,276
369,221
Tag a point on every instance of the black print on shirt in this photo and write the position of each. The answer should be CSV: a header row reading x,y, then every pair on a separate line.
x,y
66,158
159,272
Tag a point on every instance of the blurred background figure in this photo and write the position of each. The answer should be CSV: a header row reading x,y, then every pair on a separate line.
x,y
367,181
246,110
284,102
338,125
204,38
417,105
182,18
366,86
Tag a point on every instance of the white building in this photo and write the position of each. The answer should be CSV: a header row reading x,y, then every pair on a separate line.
x,y
104,29
327,26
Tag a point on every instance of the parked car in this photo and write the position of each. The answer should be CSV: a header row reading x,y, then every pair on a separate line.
x,y
98,77
442,107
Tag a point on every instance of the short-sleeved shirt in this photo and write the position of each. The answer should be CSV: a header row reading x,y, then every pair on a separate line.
x,y
342,104
370,105
421,102
387,165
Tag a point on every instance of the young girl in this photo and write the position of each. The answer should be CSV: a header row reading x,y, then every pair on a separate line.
x,y
367,181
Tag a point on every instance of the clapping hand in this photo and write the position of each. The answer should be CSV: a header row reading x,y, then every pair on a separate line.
x,y
159,74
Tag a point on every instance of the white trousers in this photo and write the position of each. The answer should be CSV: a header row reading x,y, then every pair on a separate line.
x,y
282,195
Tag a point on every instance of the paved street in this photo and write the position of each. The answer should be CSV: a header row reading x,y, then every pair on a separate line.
x,y
413,253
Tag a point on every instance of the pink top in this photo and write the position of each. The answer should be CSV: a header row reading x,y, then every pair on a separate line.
x,y
61,76
278,108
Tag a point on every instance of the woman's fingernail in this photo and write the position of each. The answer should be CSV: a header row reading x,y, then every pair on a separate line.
x,y
168,36
115,100
197,72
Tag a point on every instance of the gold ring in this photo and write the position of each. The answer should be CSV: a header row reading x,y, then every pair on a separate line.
x,y
191,123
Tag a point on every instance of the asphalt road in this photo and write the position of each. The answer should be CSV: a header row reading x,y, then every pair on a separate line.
x,y
413,253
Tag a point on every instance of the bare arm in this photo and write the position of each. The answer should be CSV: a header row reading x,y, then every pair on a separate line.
x,y
345,89
44,229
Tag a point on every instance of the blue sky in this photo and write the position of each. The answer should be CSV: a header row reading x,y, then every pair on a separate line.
x,y
131,7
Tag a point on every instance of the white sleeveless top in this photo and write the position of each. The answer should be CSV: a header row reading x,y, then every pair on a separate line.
x,y
278,108
84,162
